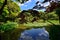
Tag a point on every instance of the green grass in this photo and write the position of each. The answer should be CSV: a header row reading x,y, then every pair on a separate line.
x,y
54,21
40,23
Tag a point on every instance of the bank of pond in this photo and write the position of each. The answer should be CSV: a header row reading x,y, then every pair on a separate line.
x,y
51,32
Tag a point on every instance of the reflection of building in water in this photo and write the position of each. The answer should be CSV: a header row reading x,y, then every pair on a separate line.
x,y
35,34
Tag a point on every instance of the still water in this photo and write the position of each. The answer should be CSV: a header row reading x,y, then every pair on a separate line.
x,y
34,34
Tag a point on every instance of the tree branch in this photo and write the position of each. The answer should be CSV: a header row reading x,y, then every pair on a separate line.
x,y
1,10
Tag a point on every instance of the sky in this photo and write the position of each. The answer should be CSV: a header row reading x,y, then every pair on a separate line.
x,y
30,4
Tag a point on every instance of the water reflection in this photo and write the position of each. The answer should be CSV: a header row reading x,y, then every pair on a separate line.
x,y
35,34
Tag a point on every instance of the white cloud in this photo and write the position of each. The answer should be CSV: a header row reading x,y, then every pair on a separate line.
x,y
39,0
20,4
24,3
40,4
46,4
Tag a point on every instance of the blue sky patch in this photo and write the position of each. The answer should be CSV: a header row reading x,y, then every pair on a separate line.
x,y
29,4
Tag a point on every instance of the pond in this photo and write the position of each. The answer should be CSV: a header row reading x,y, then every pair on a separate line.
x,y
34,34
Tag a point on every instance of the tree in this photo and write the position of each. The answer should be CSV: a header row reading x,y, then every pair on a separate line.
x,y
58,13
54,7
5,3
9,12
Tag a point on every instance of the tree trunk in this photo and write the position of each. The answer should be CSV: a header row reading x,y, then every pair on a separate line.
x,y
1,10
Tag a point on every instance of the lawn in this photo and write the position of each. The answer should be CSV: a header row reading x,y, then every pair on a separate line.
x,y
40,23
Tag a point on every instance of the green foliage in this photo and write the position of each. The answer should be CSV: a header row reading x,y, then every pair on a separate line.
x,y
5,11
1,3
12,6
28,16
8,26
10,10
42,14
55,32
58,11
52,15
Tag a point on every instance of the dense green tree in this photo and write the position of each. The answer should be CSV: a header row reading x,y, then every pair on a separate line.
x,y
54,7
29,15
5,3
9,11
58,13
1,9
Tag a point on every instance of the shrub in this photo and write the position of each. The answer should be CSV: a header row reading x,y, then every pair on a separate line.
x,y
8,26
55,32
10,31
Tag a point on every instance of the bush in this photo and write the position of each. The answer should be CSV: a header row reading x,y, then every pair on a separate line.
x,y
55,32
9,31
52,15
8,26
